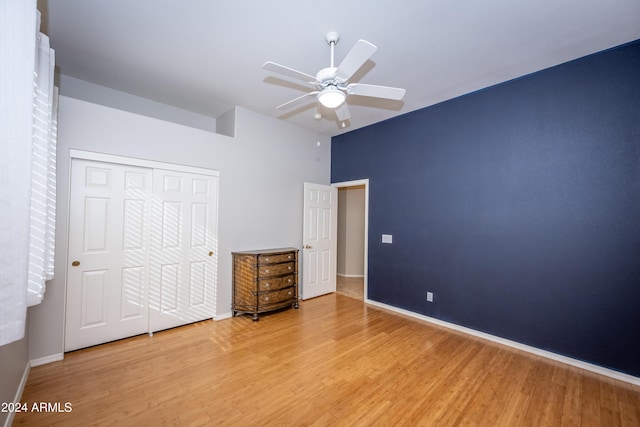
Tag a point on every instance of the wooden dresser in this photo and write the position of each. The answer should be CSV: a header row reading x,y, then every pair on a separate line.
x,y
264,280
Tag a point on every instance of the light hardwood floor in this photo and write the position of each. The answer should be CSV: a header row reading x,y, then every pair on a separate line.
x,y
333,362
350,286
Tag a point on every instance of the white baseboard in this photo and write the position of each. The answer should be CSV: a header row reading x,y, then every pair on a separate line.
x,y
222,316
533,350
47,359
18,396
350,275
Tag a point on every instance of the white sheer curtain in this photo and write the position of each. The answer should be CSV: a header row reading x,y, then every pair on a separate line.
x,y
43,181
27,124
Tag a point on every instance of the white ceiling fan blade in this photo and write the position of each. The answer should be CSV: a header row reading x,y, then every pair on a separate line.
x,y
297,100
356,57
376,91
342,112
277,68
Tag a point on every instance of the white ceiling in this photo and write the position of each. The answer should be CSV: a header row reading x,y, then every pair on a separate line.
x,y
206,56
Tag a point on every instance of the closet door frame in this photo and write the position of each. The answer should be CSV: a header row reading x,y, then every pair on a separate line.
x,y
132,161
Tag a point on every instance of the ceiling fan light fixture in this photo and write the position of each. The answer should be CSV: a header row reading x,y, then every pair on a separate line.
x,y
331,97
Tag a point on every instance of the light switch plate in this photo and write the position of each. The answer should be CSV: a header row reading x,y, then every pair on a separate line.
x,y
387,238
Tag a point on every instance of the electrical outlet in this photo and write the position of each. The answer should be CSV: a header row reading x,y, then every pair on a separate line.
x,y
430,296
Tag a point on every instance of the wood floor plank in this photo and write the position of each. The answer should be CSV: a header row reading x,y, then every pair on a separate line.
x,y
333,362
591,409
572,407
488,386
512,372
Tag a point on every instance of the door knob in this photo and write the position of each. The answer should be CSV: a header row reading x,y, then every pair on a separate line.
x,y
210,253
307,246
75,263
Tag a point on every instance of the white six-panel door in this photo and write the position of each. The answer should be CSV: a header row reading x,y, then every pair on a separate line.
x,y
183,248
142,251
108,270
320,240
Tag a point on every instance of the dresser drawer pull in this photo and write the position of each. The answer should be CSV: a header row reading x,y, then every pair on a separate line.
x,y
267,259
290,257
266,298
290,267
267,270
289,280
289,293
266,285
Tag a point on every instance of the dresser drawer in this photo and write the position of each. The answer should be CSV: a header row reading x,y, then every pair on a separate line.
x,y
274,258
275,283
276,297
276,269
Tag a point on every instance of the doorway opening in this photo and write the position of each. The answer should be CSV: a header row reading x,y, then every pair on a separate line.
x,y
353,209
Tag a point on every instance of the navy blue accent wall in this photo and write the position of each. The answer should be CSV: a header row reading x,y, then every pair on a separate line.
x,y
518,206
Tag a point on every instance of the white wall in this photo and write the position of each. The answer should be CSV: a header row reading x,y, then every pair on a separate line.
x,y
262,171
351,215
80,89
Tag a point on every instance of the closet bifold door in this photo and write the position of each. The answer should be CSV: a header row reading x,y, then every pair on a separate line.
x,y
183,249
108,253
142,251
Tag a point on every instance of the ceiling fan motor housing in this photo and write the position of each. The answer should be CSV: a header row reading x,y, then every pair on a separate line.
x,y
326,77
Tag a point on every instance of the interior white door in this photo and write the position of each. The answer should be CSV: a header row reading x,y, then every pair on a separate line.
x,y
183,249
107,278
319,240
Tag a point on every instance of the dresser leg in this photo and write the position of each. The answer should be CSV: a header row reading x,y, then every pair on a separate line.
x,y
255,317
296,305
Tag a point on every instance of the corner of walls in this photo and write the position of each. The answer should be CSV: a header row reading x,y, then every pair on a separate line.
x,y
250,124
226,123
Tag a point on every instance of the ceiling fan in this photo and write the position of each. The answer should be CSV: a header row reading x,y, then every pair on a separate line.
x,y
332,83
